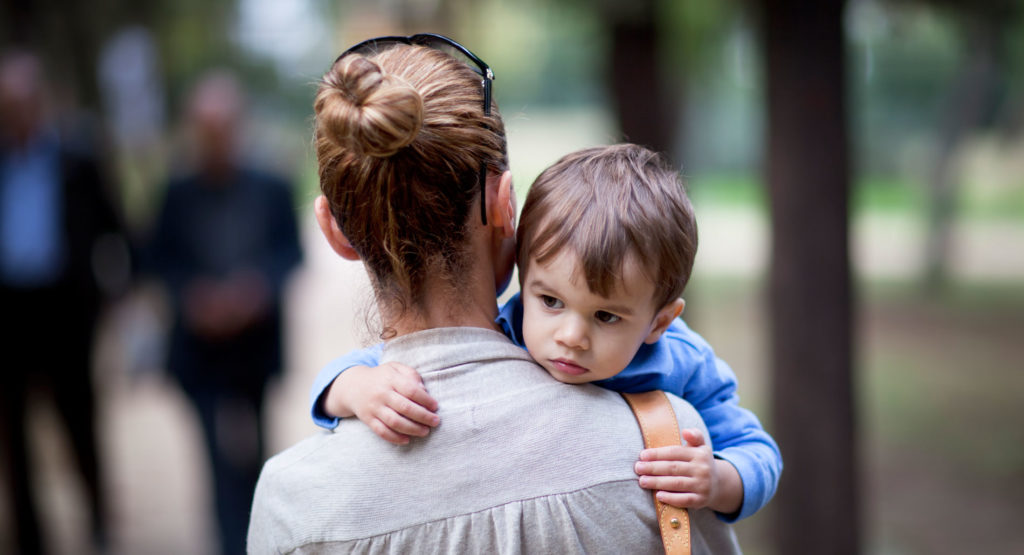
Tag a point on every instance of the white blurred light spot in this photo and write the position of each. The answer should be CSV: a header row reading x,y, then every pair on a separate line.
x,y
291,32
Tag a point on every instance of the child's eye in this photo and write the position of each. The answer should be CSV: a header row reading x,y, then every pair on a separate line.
x,y
550,301
606,317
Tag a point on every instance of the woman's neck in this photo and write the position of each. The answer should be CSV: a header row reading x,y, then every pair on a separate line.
x,y
472,303
468,300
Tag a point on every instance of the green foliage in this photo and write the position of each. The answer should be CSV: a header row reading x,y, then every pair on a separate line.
x,y
874,194
900,75
870,194
723,189
193,36
1006,205
692,31
887,194
544,53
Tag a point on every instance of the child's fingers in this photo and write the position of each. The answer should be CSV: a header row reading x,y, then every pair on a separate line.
x,y
666,468
378,427
682,500
678,484
408,408
693,437
670,453
406,371
417,394
411,386
400,424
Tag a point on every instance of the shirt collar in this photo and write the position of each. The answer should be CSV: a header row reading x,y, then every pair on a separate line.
x,y
510,318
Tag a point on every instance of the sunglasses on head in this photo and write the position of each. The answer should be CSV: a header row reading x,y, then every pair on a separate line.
x,y
453,49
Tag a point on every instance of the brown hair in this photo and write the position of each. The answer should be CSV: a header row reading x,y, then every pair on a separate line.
x,y
606,204
400,137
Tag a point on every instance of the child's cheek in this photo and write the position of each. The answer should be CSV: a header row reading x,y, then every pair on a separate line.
x,y
532,343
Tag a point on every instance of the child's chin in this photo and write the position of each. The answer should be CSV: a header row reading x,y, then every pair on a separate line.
x,y
571,380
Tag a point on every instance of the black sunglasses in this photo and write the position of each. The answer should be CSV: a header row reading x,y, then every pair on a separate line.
x,y
453,49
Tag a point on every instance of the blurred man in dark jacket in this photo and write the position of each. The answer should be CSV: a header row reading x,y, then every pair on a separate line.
x,y
55,213
224,243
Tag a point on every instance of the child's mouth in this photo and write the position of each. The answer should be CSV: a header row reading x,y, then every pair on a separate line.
x,y
568,367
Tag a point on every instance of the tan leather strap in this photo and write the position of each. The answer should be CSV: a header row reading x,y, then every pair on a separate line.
x,y
659,427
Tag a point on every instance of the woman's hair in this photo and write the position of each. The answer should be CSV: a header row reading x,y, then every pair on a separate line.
x,y
400,137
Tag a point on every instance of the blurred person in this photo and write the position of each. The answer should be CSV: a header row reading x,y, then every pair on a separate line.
x,y
224,243
55,213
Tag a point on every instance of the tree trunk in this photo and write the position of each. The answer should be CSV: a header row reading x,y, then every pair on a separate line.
x,y
810,291
970,96
647,108
16,23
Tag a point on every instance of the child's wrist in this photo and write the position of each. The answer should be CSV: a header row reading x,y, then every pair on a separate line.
x,y
335,403
727,488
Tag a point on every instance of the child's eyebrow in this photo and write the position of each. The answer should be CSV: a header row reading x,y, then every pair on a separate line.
x,y
534,283
619,309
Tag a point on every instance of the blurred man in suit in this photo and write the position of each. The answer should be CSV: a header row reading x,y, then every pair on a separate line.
x,y
224,243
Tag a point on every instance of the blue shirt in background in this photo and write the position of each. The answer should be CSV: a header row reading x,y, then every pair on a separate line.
x,y
31,245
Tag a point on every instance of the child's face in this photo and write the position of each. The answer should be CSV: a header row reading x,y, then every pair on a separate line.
x,y
579,336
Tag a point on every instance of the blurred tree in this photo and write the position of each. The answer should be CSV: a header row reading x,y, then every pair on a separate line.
x,y
654,49
64,31
430,17
647,104
193,35
810,292
972,98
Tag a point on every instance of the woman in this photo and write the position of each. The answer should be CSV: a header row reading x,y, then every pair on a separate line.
x,y
520,462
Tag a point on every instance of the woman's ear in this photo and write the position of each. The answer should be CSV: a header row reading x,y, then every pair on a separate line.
x,y
329,227
502,206
664,318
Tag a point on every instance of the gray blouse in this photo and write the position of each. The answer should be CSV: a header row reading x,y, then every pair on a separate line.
x,y
519,464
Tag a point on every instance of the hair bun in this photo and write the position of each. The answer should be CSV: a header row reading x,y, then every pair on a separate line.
x,y
360,107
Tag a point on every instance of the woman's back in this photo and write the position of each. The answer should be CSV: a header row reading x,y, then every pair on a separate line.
x,y
520,463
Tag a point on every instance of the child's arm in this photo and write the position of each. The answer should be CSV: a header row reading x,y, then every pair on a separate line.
x,y
736,434
690,477
681,362
323,381
390,398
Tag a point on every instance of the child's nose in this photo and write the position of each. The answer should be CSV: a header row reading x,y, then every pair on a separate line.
x,y
572,333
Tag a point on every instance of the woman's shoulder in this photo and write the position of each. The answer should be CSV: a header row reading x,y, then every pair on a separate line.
x,y
450,346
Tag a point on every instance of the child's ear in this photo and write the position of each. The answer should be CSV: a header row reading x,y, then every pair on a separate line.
x,y
664,318
329,227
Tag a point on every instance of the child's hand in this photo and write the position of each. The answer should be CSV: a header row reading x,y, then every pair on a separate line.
x,y
389,398
689,477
